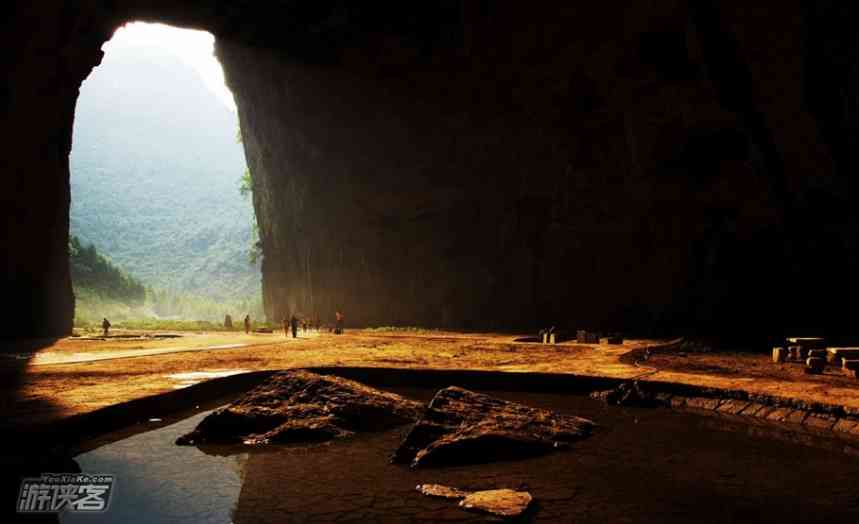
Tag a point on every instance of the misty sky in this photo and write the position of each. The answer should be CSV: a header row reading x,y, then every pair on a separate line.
x,y
196,48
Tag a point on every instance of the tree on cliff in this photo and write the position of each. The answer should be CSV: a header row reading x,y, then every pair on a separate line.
x,y
246,190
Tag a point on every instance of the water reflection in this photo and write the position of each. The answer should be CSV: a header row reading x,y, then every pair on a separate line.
x,y
641,466
157,481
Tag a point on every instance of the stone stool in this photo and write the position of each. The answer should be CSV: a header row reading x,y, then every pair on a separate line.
x,y
779,355
586,337
814,365
795,352
850,367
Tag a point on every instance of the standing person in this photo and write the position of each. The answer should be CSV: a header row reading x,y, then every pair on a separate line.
x,y
285,322
247,324
339,326
105,325
228,321
293,322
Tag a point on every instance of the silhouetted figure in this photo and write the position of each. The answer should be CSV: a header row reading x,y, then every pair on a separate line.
x,y
285,323
247,324
228,322
293,322
105,325
338,329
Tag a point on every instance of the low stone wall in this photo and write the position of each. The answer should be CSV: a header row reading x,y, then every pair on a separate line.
x,y
813,416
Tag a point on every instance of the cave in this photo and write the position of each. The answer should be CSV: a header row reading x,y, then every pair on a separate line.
x,y
671,166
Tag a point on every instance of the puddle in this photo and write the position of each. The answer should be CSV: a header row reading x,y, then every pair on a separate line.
x,y
654,465
157,481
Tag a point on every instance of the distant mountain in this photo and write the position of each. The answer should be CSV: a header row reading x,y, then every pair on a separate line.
x,y
155,170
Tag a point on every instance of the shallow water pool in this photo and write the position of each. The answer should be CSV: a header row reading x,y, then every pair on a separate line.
x,y
641,466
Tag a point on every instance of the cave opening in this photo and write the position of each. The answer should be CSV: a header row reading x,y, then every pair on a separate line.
x,y
161,224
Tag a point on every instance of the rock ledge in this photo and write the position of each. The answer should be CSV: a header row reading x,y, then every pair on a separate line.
x,y
463,427
299,406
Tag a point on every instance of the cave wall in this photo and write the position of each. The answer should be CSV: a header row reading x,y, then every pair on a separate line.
x,y
671,166
609,166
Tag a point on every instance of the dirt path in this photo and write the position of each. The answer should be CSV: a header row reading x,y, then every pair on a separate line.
x,y
67,355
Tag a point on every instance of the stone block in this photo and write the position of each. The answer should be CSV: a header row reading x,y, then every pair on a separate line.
x,y
814,366
779,355
817,353
709,404
846,425
819,422
850,363
753,409
666,399
836,354
778,414
807,342
733,406
587,337
796,416
678,402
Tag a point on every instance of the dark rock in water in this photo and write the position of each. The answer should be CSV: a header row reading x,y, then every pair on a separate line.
x,y
628,394
299,406
461,427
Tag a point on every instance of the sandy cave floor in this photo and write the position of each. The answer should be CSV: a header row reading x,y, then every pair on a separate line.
x,y
49,380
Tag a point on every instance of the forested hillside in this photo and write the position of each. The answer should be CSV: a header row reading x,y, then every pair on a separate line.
x,y
155,172
90,270
104,290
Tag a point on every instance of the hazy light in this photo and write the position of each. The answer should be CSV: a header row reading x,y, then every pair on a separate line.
x,y
196,48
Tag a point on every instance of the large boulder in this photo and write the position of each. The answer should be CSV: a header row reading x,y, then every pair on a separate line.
x,y
299,406
461,427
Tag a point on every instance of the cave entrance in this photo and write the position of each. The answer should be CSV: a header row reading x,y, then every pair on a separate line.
x,y
159,228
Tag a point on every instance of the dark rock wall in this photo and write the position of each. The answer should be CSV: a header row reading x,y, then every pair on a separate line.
x,y
42,66
674,165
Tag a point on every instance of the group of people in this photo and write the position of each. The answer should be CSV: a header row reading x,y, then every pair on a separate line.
x,y
290,324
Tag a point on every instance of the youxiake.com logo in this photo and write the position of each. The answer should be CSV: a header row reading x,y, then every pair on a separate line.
x,y
78,492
